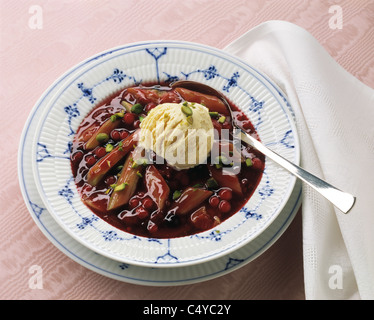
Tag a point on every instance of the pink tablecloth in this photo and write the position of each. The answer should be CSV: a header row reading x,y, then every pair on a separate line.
x,y
35,52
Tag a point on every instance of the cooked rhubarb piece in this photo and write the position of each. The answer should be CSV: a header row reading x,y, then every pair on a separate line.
x,y
213,103
226,179
126,184
87,133
190,199
144,96
102,133
127,105
157,187
101,168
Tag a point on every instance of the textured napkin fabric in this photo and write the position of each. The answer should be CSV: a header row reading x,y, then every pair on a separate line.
x,y
335,122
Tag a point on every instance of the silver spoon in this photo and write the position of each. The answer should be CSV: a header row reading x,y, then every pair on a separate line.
x,y
342,200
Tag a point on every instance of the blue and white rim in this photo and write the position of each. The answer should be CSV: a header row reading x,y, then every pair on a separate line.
x,y
156,53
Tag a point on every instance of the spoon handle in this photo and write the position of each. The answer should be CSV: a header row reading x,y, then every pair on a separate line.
x,y
342,200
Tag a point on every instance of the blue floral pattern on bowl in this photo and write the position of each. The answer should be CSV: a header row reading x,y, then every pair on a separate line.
x,y
237,80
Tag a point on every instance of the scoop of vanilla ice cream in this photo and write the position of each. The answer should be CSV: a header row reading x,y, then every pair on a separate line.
x,y
180,133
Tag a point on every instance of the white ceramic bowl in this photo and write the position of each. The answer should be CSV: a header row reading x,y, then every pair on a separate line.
x,y
264,104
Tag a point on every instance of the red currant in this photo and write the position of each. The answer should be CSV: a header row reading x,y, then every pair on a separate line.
x,y
201,220
148,203
100,152
90,160
124,134
76,157
225,194
110,180
129,118
224,206
115,135
134,202
141,213
152,227
214,201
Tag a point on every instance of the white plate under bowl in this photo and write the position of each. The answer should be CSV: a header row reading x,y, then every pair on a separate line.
x,y
145,62
130,273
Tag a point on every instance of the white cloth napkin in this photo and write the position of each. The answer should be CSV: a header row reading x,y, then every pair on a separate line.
x,y
335,121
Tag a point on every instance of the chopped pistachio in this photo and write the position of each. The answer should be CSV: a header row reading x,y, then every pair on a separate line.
x,y
139,162
222,119
248,162
102,137
211,183
109,147
116,116
176,194
139,174
121,187
190,119
186,110
196,186
213,114
137,108
221,160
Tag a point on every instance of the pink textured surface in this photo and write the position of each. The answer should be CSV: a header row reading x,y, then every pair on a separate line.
x,y
30,60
